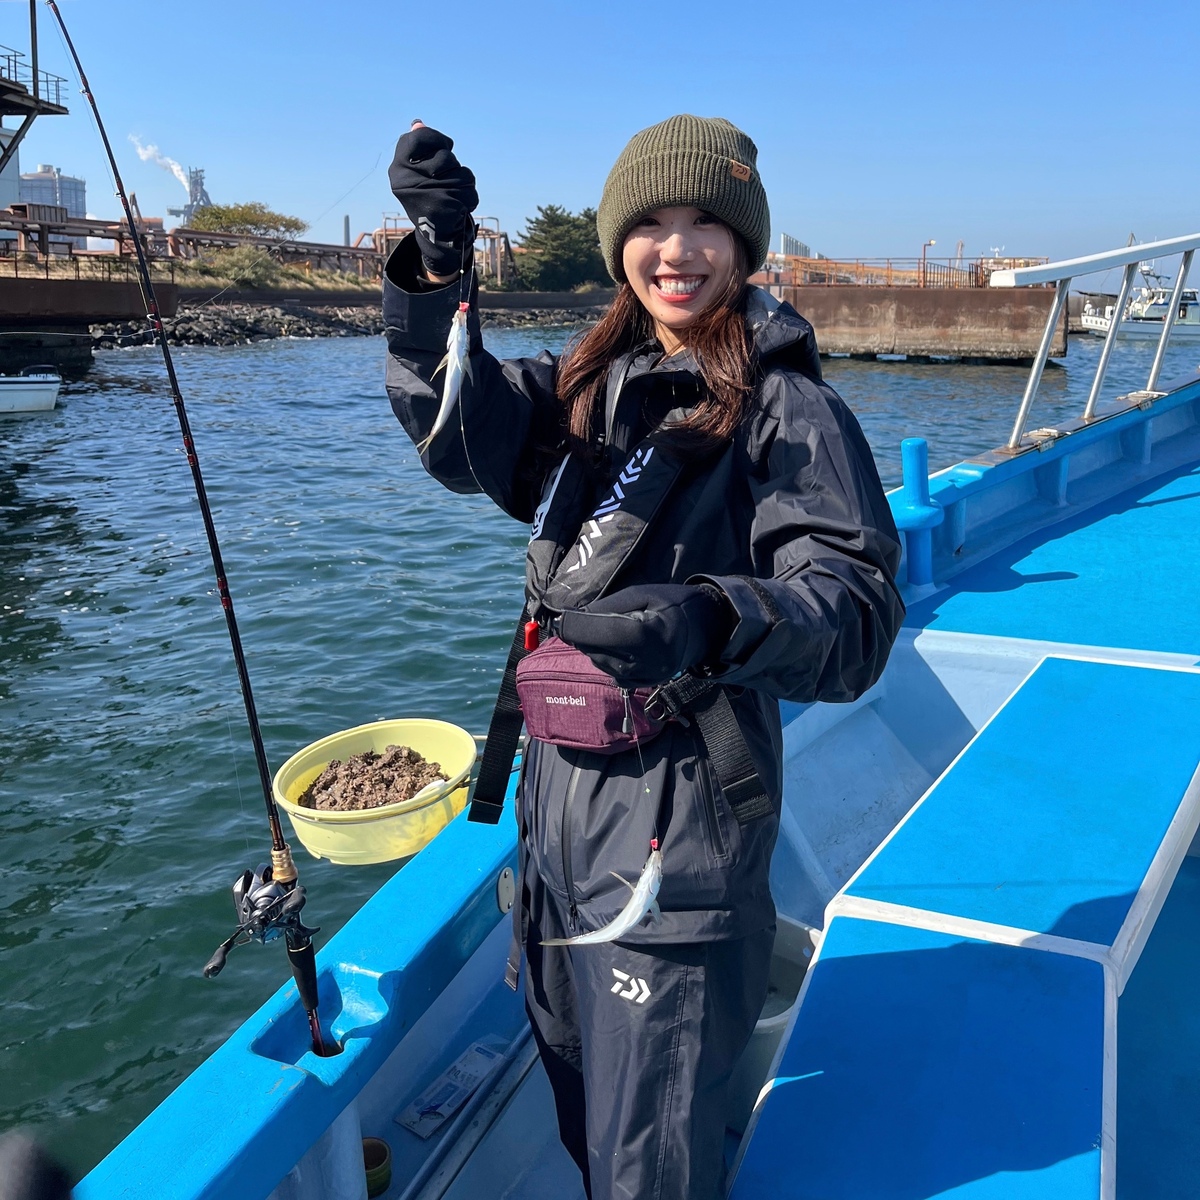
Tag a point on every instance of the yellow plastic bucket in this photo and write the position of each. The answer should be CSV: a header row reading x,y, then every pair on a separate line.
x,y
392,831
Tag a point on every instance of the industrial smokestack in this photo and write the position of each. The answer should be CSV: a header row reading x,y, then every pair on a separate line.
x,y
346,230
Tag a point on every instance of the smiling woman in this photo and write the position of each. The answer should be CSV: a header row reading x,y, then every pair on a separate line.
x,y
709,536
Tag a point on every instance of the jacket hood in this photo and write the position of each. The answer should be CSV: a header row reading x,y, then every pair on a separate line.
x,y
781,335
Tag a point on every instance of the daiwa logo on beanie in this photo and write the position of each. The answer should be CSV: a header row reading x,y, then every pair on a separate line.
x,y
707,162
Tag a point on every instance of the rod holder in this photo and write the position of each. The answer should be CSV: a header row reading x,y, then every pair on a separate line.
x,y
917,514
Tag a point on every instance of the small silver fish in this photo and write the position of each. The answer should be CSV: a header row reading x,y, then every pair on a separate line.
x,y
456,364
643,903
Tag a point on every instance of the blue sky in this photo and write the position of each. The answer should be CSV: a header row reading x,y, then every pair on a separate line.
x,y
1044,128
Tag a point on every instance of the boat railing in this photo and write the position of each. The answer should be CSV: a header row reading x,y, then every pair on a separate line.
x,y
1061,274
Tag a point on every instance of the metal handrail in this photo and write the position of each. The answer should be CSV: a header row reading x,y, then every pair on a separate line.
x,y
14,68
1061,274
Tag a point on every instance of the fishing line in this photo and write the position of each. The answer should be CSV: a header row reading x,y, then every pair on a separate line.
x,y
267,901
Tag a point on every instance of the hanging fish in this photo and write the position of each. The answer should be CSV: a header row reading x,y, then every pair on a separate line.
x,y
643,903
456,364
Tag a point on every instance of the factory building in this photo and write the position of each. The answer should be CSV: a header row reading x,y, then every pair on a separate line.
x,y
48,185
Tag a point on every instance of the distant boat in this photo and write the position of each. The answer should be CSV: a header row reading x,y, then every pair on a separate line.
x,y
1144,315
34,390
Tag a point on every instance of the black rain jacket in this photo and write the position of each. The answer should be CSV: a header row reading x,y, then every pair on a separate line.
x,y
789,520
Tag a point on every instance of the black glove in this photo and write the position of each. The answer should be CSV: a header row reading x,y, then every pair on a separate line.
x,y
643,636
438,193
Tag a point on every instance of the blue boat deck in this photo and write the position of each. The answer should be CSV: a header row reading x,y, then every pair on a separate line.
x,y
958,1031
957,1034
1123,574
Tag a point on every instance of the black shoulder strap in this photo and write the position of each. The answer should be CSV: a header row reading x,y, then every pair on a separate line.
x,y
707,703
503,735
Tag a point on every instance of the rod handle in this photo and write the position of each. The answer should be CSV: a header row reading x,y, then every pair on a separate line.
x,y
216,964
303,959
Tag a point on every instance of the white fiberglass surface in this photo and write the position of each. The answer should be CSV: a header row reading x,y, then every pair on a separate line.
x,y
520,1157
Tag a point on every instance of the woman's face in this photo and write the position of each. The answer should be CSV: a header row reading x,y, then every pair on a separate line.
x,y
678,261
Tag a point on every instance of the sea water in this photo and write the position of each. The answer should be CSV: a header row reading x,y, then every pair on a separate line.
x,y
129,798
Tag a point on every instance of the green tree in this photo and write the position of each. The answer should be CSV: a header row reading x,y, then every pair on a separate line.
x,y
561,250
252,218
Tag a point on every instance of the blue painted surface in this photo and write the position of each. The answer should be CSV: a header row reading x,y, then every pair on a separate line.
x,y
1158,1055
927,1065
1050,819
1124,574
916,515
922,1064
243,1119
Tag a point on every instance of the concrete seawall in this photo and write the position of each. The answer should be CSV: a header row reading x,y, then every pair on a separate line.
x,y
27,302
488,301
963,323
46,321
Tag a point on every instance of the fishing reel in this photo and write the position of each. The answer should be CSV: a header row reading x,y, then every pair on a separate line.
x,y
267,908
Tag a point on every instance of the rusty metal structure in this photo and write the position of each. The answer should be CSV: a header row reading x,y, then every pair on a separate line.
x,y
790,270
46,233
361,259
26,91
495,262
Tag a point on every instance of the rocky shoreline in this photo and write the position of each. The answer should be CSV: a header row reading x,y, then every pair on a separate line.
x,y
242,324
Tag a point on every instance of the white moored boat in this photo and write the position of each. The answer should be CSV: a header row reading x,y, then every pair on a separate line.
x,y
1145,313
34,390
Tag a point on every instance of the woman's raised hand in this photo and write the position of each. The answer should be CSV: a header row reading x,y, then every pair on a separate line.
x,y
438,194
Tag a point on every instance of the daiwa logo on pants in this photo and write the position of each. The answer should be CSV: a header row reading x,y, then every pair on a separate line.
x,y
629,987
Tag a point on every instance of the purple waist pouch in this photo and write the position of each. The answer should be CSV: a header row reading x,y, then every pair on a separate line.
x,y
568,701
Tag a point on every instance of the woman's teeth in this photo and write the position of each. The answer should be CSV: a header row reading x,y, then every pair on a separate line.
x,y
679,285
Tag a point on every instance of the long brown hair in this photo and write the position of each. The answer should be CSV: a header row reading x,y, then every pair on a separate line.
x,y
718,341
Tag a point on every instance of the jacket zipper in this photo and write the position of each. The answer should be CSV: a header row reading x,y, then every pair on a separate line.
x,y
568,870
709,799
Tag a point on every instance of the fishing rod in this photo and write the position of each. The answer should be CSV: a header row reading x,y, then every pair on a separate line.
x,y
268,900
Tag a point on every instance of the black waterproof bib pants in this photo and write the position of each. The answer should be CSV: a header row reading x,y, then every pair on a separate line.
x,y
639,1043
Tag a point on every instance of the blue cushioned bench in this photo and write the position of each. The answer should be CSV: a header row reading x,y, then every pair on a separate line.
x,y
956,1032
924,1064
1065,817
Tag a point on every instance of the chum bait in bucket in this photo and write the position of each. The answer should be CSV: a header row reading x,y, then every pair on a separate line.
x,y
392,831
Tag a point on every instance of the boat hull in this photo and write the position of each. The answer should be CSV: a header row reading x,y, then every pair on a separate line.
x,y
1019,635
29,393
1181,331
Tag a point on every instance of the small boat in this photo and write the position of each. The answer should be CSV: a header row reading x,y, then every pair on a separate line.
x,y
1145,313
35,389
988,865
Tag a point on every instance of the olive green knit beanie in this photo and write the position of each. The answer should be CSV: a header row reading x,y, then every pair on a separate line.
x,y
706,162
